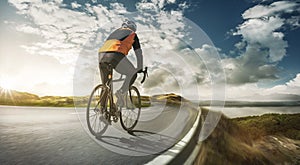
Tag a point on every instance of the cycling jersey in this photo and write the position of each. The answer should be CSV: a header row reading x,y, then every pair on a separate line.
x,y
121,40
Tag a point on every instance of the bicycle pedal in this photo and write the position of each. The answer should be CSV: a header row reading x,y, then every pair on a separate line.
x,y
115,119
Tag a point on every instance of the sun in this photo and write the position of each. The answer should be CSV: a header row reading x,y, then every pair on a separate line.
x,y
6,85
6,91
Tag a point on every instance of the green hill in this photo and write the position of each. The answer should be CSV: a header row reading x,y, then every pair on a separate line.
x,y
17,98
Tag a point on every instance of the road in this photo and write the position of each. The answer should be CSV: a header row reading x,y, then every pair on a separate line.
x,y
37,135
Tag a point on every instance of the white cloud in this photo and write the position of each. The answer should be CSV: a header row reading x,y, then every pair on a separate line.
x,y
171,1
118,8
242,92
158,5
155,5
264,32
28,29
252,92
295,82
291,87
60,27
275,8
250,67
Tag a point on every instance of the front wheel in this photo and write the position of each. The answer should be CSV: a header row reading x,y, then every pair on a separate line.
x,y
131,110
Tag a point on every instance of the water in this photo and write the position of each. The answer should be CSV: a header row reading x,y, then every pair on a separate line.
x,y
233,112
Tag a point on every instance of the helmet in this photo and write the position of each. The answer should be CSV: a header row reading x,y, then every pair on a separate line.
x,y
129,24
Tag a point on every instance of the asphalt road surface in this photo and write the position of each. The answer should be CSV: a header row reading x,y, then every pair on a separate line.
x,y
37,135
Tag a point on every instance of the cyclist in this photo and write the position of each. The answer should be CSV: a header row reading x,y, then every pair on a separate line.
x,y
114,52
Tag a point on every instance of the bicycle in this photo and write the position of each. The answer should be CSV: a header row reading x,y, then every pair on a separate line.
x,y
99,117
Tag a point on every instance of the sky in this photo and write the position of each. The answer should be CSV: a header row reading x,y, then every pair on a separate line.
x,y
201,49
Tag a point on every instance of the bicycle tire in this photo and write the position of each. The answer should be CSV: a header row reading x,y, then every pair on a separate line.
x,y
95,115
131,110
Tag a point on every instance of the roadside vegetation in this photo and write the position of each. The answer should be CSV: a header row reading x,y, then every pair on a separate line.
x,y
27,99
16,98
287,125
265,139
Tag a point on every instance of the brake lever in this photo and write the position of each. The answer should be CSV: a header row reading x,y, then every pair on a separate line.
x,y
145,74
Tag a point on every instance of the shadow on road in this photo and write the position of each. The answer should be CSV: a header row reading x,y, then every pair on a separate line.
x,y
143,142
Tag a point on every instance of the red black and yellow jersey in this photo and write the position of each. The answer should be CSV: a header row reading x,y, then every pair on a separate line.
x,y
121,40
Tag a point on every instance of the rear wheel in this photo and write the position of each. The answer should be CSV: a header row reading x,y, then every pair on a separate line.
x,y
131,110
96,114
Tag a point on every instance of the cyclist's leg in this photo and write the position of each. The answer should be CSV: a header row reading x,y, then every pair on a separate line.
x,y
104,72
126,67
103,67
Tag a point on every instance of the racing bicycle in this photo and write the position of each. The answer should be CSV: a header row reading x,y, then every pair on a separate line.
x,y
99,115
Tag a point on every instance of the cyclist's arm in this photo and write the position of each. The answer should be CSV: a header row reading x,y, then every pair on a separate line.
x,y
138,52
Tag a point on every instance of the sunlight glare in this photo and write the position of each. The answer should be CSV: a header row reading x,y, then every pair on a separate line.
x,y
5,85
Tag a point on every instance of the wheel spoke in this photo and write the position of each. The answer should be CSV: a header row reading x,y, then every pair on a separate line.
x,y
94,123
126,121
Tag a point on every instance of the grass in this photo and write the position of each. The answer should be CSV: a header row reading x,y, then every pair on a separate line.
x,y
271,124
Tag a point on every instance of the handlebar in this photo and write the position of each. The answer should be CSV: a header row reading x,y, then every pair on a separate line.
x,y
145,71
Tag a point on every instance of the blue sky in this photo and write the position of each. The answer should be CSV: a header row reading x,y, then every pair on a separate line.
x,y
256,42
